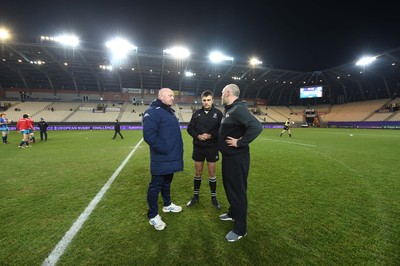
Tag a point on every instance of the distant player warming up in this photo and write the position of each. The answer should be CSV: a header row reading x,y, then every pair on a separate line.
x,y
286,127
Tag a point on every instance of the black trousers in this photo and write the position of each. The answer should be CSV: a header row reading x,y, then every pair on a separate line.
x,y
117,132
235,169
43,133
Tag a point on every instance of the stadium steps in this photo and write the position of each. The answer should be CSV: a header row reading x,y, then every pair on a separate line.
x,y
390,116
330,108
178,113
373,112
368,116
72,113
122,111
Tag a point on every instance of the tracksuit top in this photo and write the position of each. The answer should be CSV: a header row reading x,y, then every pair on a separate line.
x,y
238,123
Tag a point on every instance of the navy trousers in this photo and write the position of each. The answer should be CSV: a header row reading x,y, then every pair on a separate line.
x,y
158,183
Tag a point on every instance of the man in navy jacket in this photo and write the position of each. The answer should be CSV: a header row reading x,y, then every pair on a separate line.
x,y
162,133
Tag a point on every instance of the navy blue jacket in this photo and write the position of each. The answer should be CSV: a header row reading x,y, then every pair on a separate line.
x,y
162,132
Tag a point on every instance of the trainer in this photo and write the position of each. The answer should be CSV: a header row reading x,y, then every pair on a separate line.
x,y
238,129
162,132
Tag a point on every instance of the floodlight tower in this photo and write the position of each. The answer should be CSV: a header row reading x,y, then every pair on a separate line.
x,y
217,57
68,40
4,35
179,53
254,62
366,60
120,49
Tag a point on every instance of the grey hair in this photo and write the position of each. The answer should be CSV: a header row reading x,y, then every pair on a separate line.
x,y
234,89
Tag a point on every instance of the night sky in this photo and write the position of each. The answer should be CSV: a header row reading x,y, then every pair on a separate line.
x,y
298,35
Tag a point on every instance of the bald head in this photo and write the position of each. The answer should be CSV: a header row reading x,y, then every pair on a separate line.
x,y
229,94
166,96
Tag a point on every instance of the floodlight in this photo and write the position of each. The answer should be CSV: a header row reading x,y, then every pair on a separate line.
x,y
217,57
366,60
4,35
178,52
189,74
105,67
120,48
254,61
67,40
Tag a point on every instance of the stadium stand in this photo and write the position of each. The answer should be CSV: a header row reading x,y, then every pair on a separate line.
x,y
355,111
126,112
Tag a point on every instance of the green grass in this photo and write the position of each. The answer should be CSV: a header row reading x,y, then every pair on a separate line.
x,y
319,198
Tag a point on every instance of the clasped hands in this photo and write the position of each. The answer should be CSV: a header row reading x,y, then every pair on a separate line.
x,y
204,136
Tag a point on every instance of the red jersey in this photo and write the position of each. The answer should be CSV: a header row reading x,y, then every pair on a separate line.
x,y
32,123
24,124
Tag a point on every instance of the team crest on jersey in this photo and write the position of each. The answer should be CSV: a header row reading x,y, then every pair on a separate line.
x,y
215,115
227,115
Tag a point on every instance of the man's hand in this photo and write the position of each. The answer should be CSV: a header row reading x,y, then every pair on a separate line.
x,y
232,142
204,136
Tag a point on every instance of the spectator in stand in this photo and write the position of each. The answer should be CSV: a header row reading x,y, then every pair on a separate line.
x,y
24,126
43,129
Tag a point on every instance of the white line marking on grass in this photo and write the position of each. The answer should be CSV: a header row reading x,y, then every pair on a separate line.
x,y
58,251
289,142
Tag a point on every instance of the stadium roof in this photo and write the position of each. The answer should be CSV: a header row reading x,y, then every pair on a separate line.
x,y
51,66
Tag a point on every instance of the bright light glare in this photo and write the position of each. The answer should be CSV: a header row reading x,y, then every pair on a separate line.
x,y
255,61
4,35
366,60
189,74
217,57
67,40
178,52
106,67
120,48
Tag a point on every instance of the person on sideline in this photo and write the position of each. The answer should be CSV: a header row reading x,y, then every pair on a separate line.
x,y
24,126
203,128
43,129
117,129
162,133
238,129
4,127
286,127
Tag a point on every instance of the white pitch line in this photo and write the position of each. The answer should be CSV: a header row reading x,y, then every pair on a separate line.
x,y
58,251
288,142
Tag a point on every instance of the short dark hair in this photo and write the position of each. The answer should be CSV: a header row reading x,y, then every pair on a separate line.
x,y
25,116
206,93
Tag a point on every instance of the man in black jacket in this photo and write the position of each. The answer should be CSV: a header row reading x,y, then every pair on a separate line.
x,y
43,129
117,129
238,129
203,128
